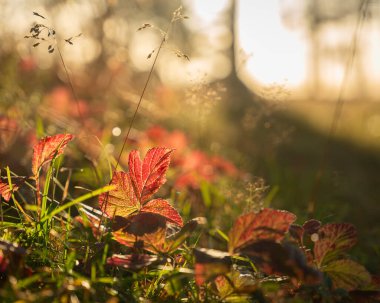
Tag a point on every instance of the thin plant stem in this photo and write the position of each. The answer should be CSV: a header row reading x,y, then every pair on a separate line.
x,y
71,85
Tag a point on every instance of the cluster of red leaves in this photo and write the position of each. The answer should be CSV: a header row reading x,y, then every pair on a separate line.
x,y
257,236
191,166
140,222
261,237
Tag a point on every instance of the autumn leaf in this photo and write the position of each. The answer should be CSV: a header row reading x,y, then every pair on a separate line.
x,y
163,208
312,226
148,176
5,189
269,224
333,239
134,188
347,274
149,231
48,148
121,201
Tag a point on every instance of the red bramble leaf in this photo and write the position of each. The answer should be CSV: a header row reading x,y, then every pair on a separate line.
x,y
121,201
134,188
163,208
48,148
268,224
333,239
148,176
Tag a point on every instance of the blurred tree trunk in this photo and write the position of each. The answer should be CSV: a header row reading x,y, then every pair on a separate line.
x,y
239,96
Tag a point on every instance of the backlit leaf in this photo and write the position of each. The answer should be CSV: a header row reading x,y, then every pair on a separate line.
x,y
144,230
333,239
268,224
149,231
121,201
148,175
48,148
134,188
5,190
163,208
347,274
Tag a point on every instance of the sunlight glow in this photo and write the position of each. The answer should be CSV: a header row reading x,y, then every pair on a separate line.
x,y
278,55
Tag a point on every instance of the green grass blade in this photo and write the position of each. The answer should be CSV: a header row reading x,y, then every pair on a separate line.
x,y
77,201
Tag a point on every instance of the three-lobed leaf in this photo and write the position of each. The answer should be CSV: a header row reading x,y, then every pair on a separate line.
x,y
134,188
268,224
48,148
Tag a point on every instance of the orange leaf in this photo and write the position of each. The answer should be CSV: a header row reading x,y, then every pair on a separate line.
x,y
149,175
122,200
163,208
48,148
268,224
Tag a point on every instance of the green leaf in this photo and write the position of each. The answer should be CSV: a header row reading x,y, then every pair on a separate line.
x,y
347,274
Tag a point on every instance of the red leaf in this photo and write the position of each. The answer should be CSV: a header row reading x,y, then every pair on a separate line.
x,y
149,175
268,224
333,239
48,148
133,189
122,200
312,226
163,208
5,190
144,231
